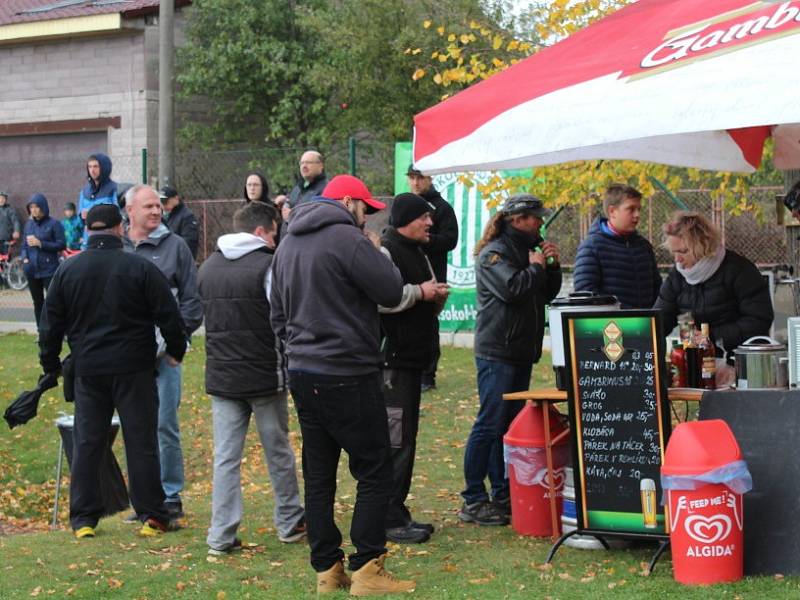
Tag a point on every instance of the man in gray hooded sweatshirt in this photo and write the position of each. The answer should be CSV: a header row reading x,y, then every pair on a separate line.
x,y
328,279
150,238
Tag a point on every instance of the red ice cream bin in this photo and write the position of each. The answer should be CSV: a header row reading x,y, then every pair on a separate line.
x,y
704,479
526,461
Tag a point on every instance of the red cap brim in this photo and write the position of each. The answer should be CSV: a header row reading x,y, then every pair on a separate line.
x,y
373,204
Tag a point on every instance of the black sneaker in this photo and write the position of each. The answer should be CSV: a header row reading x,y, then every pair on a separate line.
x,y
407,535
296,534
427,386
174,509
503,506
234,547
423,526
482,513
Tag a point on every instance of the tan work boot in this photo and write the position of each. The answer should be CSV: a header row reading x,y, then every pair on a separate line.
x,y
373,579
332,580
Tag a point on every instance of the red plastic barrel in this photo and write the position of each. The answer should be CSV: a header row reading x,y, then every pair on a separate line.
x,y
530,504
706,524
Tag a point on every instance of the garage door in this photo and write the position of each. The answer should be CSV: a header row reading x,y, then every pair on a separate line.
x,y
54,165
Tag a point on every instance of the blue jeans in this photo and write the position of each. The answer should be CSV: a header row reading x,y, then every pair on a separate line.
x,y
169,433
483,455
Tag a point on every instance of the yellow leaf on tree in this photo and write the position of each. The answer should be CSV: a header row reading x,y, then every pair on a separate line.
x,y
497,42
440,30
464,39
437,79
451,37
418,74
426,24
474,25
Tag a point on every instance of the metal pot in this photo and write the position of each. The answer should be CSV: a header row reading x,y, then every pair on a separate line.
x,y
761,364
575,302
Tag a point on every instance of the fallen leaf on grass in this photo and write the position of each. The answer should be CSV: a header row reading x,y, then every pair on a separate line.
x,y
275,563
480,581
565,576
70,590
220,595
778,576
114,583
449,568
36,591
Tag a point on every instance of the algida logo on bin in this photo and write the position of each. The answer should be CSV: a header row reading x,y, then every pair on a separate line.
x,y
710,531
558,481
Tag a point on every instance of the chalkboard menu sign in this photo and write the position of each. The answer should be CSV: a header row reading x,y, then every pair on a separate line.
x,y
619,413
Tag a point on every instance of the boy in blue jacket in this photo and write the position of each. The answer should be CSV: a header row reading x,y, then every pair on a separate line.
x,y
99,188
73,227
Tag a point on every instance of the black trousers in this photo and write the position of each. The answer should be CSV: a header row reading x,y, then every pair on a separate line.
x,y
343,413
38,287
135,397
401,392
429,372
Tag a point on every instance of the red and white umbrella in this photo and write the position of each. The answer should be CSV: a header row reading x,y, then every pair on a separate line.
x,y
693,83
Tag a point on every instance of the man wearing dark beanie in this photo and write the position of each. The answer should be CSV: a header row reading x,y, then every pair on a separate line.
x,y
409,329
443,237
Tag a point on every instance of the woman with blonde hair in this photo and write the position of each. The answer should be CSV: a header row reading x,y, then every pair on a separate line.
x,y
717,286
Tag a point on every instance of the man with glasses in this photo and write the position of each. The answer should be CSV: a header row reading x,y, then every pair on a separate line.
x,y
312,178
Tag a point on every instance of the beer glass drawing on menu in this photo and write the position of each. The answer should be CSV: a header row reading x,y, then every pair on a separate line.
x,y
647,488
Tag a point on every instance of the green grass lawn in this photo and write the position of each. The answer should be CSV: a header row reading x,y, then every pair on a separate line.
x,y
460,561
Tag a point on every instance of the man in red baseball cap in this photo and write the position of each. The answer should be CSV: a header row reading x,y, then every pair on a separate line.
x,y
326,284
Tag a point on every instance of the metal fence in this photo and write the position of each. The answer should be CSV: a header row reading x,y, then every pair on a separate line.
x,y
761,239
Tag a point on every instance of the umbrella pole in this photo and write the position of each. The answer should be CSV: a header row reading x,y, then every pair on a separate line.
x,y
59,464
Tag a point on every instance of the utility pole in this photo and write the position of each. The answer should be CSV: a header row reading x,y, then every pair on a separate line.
x,y
166,61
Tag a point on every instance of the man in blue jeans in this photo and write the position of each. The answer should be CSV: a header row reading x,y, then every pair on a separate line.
x,y
516,274
150,238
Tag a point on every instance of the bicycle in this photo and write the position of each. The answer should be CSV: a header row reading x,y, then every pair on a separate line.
x,y
11,270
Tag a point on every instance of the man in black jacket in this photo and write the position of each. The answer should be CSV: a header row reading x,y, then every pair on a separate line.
x,y
312,178
514,282
108,303
179,218
443,237
246,374
409,329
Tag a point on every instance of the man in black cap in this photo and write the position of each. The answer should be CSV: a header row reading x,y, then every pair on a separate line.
x,y
516,274
409,330
443,237
108,302
179,218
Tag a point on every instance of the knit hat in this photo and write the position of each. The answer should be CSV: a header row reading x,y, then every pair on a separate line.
x,y
407,207
347,185
103,216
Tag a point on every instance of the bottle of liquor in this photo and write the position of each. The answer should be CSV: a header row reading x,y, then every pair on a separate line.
x,y
693,358
708,368
677,359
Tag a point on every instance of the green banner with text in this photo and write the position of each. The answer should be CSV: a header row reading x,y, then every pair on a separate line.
x,y
470,207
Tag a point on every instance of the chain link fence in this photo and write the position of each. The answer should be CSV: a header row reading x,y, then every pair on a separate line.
x,y
212,184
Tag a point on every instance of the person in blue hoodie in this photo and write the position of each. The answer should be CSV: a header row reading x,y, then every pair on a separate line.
x,y
614,258
73,227
99,188
42,240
